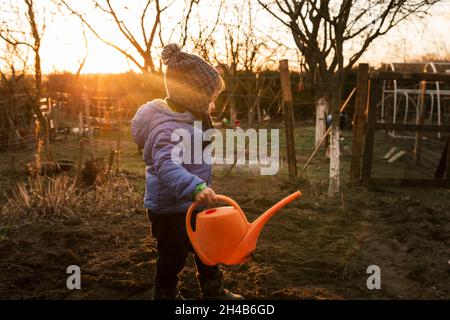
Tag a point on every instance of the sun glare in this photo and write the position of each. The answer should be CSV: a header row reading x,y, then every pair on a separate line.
x,y
63,44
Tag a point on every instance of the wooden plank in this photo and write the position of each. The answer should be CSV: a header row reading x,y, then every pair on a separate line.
x,y
406,182
359,121
442,165
390,153
420,122
411,127
396,156
370,132
447,171
413,76
288,116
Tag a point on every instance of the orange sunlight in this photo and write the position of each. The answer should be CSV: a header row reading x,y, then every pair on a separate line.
x,y
63,44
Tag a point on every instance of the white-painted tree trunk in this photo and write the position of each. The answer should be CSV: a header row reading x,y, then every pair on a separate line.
x,y
335,103
321,107
334,184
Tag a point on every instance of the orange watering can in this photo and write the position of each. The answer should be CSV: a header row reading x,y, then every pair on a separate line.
x,y
223,235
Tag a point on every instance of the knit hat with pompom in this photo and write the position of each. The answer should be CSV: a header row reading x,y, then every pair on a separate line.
x,y
190,81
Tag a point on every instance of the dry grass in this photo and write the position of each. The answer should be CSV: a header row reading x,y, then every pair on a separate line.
x,y
42,197
51,198
113,192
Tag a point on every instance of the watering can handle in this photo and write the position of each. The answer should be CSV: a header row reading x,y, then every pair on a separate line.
x,y
218,197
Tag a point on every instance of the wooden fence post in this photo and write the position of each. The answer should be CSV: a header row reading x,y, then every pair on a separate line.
x,y
231,85
119,133
420,121
447,171
370,132
80,161
288,116
359,121
251,87
87,110
259,85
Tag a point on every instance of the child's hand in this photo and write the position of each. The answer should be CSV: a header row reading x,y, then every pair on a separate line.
x,y
207,197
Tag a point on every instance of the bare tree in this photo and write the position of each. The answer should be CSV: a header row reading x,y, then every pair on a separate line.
x,y
12,83
184,35
243,46
203,42
143,41
30,36
323,31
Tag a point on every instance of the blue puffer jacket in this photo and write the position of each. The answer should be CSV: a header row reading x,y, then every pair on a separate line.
x,y
169,186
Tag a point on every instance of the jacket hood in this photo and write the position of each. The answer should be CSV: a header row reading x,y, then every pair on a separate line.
x,y
152,114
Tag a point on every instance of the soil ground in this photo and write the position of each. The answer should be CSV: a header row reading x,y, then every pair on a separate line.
x,y
315,248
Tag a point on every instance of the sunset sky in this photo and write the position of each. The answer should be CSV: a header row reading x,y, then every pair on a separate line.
x,y
63,43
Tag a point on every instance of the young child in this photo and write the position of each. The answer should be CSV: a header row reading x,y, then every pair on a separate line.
x,y
192,86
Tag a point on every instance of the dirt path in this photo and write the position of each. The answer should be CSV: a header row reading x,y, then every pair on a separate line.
x,y
315,248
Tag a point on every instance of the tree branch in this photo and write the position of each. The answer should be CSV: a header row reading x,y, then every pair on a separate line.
x,y
123,28
186,21
144,13
95,33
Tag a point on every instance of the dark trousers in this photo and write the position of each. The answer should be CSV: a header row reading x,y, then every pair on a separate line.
x,y
173,247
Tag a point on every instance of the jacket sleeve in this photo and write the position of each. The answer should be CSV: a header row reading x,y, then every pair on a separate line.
x,y
172,175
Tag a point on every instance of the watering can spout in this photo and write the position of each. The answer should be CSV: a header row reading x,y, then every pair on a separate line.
x,y
249,242
259,223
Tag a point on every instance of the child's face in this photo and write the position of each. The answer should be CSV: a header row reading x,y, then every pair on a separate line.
x,y
212,105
